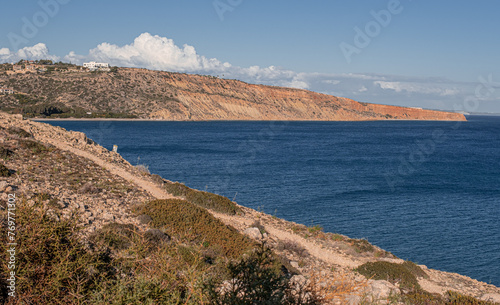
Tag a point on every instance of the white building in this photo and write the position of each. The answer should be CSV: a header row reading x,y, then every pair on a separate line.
x,y
96,65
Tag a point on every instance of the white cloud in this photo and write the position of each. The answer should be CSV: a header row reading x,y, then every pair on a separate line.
x,y
38,51
152,52
441,89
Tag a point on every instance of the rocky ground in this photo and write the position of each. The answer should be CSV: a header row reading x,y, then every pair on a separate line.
x,y
71,175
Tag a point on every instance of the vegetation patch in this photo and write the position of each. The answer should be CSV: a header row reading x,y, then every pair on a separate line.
x,y
257,280
204,199
19,132
5,152
4,171
293,247
191,222
114,235
415,269
35,147
56,267
391,272
361,245
455,298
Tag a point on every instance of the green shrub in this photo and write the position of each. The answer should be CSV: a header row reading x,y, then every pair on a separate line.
x,y
204,199
35,147
256,280
394,273
54,267
4,171
315,229
114,235
5,153
455,298
415,269
191,222
421,297
361,245
19,132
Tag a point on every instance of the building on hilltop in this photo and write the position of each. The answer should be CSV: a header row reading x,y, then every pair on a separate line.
x,y
93,66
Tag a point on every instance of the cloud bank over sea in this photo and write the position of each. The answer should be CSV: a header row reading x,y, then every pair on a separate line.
x,y
161,53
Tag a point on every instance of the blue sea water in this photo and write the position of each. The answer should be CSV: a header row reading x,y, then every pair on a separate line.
x,y
425,191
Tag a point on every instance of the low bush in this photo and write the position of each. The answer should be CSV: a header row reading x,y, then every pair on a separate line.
x,y
455,298
5,152
256,280
114,235
391,272
191,222
55,268
19,132
421,297
89,188
204,199
143,169
293,247
157,179
415,269
35,147
4,171
361,245
315,229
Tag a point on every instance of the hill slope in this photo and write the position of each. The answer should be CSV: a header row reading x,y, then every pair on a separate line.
x,y
174,96
60,175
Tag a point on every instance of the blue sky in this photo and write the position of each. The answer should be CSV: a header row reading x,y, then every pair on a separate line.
x,y
418,53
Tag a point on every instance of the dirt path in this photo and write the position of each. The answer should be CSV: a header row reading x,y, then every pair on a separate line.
x,y
148,186
317,251
326,255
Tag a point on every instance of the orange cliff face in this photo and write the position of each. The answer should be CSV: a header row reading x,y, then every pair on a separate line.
x,y
209,98
175,96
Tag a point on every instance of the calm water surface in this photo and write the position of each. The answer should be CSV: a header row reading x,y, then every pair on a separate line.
x,y
426,191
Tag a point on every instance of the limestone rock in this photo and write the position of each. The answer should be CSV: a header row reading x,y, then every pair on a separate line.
x,y
3,185
144,219
156,236
381,289
492,297
253,233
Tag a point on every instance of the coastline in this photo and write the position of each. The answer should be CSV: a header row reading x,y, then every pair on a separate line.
x,y
324,253
222,120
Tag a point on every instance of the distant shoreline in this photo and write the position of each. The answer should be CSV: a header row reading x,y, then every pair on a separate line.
x,y
163,120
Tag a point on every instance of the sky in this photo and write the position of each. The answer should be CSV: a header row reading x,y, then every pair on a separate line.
x,y
431,54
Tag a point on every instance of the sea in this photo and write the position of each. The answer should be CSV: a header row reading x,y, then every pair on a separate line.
x,y
426,191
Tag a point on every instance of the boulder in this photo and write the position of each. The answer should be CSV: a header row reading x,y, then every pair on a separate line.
x,y
3,185
144,219
156,236
492,297
253,233
381,289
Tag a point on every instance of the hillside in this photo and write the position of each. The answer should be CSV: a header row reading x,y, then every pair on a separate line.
x,y
93,229
140,93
